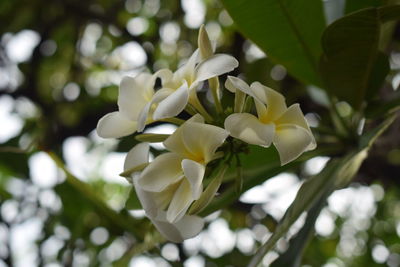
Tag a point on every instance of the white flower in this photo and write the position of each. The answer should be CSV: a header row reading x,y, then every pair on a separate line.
x,y
182,84
187,227
275,123
169,185
136,100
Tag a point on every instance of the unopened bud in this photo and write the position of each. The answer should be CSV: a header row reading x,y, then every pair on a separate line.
x,y
204,44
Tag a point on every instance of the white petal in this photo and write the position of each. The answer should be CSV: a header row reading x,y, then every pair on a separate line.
x,y
214,66
275,102
138,155
146,198
115,125
233,83
154,202
180,202
173,104
291,141
194,173
294,115
134,93
187,227
146,80
249,129
261,111
165,170
165,75
202,140
185,72
175,143
143,117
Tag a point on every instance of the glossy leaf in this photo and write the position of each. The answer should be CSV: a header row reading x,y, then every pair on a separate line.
x,y
289,31
354,5
352,67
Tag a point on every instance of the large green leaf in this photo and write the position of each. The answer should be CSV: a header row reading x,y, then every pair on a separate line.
x,y
352,66
354,5
289,31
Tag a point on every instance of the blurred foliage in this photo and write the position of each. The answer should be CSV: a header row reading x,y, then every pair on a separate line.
x,y
60,65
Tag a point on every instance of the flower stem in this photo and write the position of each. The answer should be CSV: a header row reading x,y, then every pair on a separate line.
x,y
173,121
240,98
195,102
214,86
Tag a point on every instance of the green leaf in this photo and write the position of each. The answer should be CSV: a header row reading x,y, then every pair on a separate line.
x,y
354,5
351,66
389,13
289,31
368,138
378,109
349,167
380,69
133,202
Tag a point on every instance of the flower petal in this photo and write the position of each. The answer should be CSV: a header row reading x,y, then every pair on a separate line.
x,y
154,202
275,102
249,129
233,83
115,125
214,66
138,155
194,172
175,143
165,170
185,72
146,198
134,93
202,140
291,141
143,117
187,227
165,75
173,104
180,202
294,115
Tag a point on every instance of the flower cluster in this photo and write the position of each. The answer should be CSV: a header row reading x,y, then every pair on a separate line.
x,y
170,188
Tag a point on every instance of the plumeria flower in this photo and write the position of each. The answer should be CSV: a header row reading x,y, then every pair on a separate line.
x,y
169,185
179,174
154,203
136,101
181,85
275,123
